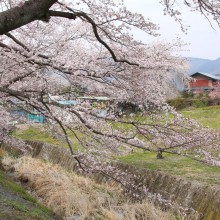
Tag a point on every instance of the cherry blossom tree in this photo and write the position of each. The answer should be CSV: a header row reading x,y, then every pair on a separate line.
x,y
215,93
91,43
208,8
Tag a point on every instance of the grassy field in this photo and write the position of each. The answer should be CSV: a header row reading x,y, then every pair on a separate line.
x,y
38,132
207,116
176,165
179,165
34,133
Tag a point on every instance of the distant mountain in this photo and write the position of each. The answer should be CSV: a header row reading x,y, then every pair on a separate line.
x,y
204,65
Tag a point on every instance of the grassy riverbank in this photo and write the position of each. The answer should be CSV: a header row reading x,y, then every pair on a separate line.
x,y
72,196
17,204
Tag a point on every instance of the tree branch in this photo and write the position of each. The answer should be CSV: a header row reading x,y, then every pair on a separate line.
x,y
18,16
17,41
74,15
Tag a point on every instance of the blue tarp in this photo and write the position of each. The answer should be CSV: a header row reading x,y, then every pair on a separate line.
x,y
35,118
67,102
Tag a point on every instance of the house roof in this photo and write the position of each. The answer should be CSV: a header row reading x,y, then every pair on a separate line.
x,y
207,75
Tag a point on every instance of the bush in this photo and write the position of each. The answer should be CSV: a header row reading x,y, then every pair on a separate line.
x,y
187,94
199,103
181,103
128,107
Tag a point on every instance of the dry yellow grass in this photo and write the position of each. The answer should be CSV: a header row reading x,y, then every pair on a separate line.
x,y
2,153
71,196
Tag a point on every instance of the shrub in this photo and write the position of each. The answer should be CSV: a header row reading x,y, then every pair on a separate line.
x,y
187,94
181,103
199,103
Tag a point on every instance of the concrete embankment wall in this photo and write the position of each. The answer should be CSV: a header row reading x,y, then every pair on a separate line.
x,y
203,198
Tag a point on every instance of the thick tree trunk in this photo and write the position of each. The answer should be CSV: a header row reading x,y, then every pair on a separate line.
x,y
18,16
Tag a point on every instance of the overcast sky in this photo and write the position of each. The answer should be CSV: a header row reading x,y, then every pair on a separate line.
x,y
204,42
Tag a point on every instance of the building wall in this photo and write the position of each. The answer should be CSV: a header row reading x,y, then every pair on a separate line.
x,y
201,81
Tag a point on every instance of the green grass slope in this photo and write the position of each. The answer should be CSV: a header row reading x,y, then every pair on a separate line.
x,y
17,204
207,116
175,165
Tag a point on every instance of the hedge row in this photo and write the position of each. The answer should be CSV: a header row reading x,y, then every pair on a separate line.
x,y
181,103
